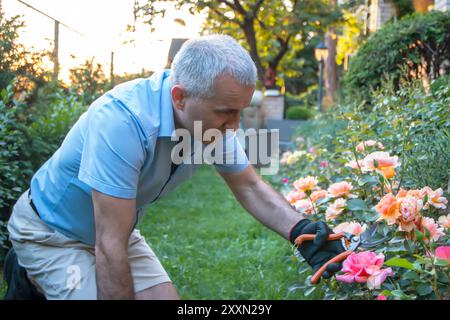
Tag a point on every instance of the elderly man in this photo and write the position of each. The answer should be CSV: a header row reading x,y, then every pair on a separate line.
x,y
74,230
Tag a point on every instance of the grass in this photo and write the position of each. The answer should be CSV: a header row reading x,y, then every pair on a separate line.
x,y
212,248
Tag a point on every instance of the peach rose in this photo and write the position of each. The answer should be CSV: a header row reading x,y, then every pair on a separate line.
x,y
435,198
354,164
388,209
369,143
340,189
433,228
418,194
444,221
285,156
381,162
353,227
409,212
294,196
335,209
304,206
365,267
319,194
306,184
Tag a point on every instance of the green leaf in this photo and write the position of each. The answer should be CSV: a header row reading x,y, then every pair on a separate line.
x,y
418,235
400,262
386,293
357,205
441,262
424,289
426,233
309,291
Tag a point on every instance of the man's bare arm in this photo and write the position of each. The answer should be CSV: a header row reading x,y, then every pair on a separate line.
x,y
114,220
262,201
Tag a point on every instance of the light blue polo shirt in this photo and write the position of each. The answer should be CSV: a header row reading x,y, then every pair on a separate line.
x,y
121,146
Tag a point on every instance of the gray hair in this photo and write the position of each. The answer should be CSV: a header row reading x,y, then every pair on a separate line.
x,y
200,61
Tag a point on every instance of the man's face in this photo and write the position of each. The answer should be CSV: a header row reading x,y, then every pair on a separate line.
x,y
221,111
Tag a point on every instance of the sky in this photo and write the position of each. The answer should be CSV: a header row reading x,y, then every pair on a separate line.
x,y
102,24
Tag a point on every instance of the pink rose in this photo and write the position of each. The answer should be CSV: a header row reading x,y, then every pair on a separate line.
x,y
285,180
365,267
323,164
443,252
381,297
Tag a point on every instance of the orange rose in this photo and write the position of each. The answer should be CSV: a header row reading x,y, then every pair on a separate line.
x,y
319,194
294,196
306,184
340,189
335,209
388,209
382,163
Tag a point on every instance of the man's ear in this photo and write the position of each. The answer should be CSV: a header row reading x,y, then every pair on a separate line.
x,y
178,97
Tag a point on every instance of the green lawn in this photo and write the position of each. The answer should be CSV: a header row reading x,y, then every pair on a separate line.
x,y
213,249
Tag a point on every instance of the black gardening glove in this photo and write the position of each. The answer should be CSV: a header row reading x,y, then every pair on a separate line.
x,y
320,250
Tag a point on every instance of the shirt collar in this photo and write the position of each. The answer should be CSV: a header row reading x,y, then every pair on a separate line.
x,y
167,123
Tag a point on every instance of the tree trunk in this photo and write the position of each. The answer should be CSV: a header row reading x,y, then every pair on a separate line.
x,y
330,67
330,64
250,36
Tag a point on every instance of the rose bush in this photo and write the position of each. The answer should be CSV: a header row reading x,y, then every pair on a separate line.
x,y
362,177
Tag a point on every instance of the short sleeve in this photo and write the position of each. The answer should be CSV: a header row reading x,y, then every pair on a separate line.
x,y
113,152
234,158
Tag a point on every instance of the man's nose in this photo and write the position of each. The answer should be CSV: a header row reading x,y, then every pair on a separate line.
x,y
233,122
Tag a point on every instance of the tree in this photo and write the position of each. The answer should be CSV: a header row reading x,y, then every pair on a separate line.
x,y
271,30
17,62
89,81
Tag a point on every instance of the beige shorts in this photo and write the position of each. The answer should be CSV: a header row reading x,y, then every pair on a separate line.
x,y
63,268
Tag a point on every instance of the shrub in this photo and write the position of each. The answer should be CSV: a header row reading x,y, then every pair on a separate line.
x,y
416,46
15,165
299,113
407,135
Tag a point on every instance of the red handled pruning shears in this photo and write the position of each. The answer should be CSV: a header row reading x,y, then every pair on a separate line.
x,y
349,241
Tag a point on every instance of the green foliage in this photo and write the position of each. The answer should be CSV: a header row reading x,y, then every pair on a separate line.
x,y
16,61
89,81
412,124
52,121
28,137
272,31
15,165
416,46
299,113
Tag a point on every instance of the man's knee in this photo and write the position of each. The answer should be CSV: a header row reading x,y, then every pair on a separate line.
x,y
162,291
